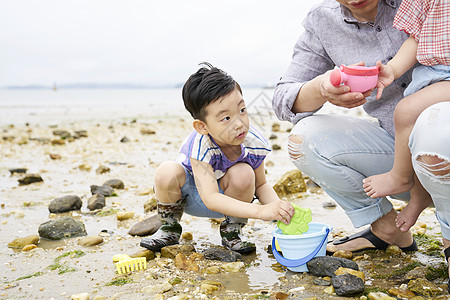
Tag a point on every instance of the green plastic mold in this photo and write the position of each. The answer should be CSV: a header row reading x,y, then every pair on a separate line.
x,y
299,222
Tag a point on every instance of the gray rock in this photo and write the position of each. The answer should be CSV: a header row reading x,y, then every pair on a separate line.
x,y
96,202
347,284
146,227
30,178
218,253
104,190
65,204
61,228
18,171
115,183
327,265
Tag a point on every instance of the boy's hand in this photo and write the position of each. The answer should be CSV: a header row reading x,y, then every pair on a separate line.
x,y
277,210
385,77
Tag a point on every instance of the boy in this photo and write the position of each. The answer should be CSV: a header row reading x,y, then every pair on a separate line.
x,y
219,169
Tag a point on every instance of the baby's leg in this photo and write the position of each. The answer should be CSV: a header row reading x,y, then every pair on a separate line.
x,y
400,179
420,199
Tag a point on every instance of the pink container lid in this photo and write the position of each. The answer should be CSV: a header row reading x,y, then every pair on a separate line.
x,y
359,70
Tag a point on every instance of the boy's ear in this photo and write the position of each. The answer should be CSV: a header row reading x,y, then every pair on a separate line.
x,y
200,127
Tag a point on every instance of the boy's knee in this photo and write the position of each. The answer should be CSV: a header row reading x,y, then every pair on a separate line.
x,y
170,174
242,177
434,166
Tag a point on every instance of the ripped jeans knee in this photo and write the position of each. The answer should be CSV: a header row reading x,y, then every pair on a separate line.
x,y
435,167
295,149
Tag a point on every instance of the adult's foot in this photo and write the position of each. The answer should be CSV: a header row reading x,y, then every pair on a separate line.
x,y
385,229
386,184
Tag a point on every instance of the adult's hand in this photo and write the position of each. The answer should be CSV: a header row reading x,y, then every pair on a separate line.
x,y
341,95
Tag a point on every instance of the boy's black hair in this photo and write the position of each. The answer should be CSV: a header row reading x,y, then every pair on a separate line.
x,y
206,85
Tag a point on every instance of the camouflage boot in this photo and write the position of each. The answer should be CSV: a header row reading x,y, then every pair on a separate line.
x,y
170,231
230,231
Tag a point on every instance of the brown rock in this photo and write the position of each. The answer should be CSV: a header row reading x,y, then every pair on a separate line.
x,y
90,241
19,243
290,183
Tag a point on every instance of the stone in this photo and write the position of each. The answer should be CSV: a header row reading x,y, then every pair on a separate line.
x,y
347,284
82,296
327,265
187,263
102,170
424,287
29,247
233,267
157,288
212,270
150,205
30,178
222,254
401,293
97,201
104,190
18,171
146,227
124,215
291,182
380,296
115,183
65,204
343,254
321,282
61,228
342,270
90,241
148,254
19,243
208,289
173,250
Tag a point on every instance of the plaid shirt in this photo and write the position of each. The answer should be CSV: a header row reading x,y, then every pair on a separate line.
x,y
428,21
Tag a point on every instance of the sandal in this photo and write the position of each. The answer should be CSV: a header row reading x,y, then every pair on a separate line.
x,y
378,243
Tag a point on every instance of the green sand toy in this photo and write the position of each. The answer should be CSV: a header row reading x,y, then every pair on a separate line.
x,y
299,222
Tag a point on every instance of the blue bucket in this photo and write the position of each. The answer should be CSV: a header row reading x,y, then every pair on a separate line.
x,y
298,249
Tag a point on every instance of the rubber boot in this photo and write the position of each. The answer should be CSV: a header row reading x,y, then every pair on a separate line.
x,y
230,232
170,231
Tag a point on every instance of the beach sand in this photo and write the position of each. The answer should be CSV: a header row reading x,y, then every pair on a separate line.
x,y
72,170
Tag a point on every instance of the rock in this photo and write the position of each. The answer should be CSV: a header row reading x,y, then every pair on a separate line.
x,y
147,131
29,247
55,156
124,215
321,282
342,270
212,270
401,293
424,287
173,250
275,127
146,227
30,178
233,267
90,241
290,183
104,190
158,288
80,134
61,228
82,296
18,171
65,204
219,253
187,263
393,250
276,147
347,284
102,169
124,140
150,205
381,296
327,265
208,289
148,254
115,183
187,236
19,243
64,134
343,254
97,201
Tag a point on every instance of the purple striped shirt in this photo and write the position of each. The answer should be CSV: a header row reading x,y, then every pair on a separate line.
x,y
254,150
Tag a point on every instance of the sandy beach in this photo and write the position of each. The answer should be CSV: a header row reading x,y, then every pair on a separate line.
x,y
129,145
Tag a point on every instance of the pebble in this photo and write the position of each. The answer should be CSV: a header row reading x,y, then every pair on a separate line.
x,y
90,241
124,215
156,289
82,296
19,243
233,267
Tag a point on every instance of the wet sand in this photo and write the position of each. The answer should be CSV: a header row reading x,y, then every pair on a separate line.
x,y
27,275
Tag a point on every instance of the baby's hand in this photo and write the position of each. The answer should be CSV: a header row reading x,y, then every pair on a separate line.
x,y
277,210
385,77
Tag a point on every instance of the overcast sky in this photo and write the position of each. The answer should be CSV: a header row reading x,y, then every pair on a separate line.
x,y
145,42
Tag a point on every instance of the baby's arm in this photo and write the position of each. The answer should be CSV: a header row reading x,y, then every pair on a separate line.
x,y
404,60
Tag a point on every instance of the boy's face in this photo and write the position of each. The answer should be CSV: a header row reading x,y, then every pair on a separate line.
x,y
227,120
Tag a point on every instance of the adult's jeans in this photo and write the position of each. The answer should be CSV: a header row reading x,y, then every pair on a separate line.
x,y
338,152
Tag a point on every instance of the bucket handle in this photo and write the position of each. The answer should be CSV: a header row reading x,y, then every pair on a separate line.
x,y
292,263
